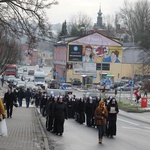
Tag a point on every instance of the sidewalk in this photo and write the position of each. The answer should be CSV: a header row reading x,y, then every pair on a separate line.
x,y
25,131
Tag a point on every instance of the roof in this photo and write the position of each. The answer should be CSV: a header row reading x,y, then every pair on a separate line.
x,y
95,39
39,74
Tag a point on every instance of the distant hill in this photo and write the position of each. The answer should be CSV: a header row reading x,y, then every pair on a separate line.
x,y
56,28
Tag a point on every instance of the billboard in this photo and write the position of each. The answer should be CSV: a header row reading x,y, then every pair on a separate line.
x,y
95,54
75,53
84,68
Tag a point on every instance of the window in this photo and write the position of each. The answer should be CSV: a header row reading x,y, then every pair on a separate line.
x,y
104,66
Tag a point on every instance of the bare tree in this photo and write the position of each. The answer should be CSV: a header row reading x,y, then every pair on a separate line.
x,y
109,23
26,17
136,17
79,23
8,51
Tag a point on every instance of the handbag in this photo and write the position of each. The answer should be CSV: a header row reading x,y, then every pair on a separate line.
x,y
32,101
3,128
15,104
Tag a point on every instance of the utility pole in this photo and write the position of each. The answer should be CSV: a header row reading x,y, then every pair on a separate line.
x,y
132,37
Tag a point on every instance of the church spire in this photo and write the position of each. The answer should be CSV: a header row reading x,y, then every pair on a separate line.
x,y
99,18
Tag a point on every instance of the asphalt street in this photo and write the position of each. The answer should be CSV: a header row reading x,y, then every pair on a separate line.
x,y
131,128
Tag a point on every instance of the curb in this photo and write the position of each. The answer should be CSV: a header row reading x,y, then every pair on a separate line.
x,y
45,139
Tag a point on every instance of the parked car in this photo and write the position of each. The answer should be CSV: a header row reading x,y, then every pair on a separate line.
x,y
66,86
76,81
40,65
21,84
118,84
31,72
10,78
57,92
127,88
32,86
24,69
91,94
53,84
15,82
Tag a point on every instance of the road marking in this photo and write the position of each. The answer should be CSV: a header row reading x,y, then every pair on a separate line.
x,y
128,122
133,128
138,116
147,127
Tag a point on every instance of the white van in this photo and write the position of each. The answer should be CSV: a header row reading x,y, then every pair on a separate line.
x,y
20,72
39,79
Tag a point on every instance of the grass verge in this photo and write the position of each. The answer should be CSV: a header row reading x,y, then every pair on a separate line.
x,y
131,107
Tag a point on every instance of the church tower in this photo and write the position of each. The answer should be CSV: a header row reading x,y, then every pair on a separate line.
x,y
99,19
99,24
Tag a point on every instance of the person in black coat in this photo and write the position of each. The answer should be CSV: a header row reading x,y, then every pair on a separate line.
x,y
28,96
73,99
76,108
113,110
20,96
49,113
70,108
43,104
89,111
37,98
9,100
60,114
81,108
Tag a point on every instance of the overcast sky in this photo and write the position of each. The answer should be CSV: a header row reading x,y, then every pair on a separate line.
x,y
66,8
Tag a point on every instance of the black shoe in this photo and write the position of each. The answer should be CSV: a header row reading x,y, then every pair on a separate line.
x,y
56,133
60,134
10,116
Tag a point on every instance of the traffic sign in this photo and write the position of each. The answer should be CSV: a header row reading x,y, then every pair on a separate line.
x,y
55,73
131,83
63,87
94,76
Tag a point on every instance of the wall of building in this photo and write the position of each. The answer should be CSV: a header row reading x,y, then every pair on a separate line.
x,y
69,60
118,70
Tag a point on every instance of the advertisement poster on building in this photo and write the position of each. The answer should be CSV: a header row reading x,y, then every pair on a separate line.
x,y
75,53
69,65
111,54
94,53
114,55
88,55
78,68
84,68
97,54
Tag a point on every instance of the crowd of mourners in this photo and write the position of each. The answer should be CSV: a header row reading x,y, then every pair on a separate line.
x,y
99,113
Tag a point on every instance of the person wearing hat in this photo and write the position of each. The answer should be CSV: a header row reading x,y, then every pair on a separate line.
x,y
100,119
113,110
49,113
9,100
60,114
81,110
